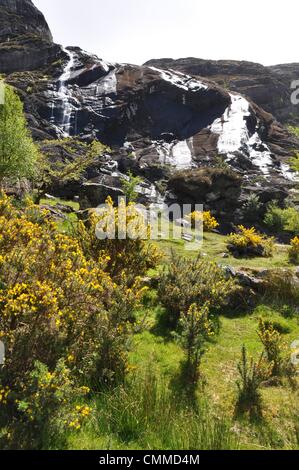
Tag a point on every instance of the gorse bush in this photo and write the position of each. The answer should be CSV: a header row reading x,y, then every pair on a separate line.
x,y
196,328
294,250
276,351
58,303
277,354
205,218
50,404
252,375
272,342
193,281
248,242
121,239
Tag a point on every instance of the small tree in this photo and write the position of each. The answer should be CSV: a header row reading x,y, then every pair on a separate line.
x,y
18,153
129,186
196,330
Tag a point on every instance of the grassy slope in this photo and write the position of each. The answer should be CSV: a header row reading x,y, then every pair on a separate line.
x,y
155,351
214,246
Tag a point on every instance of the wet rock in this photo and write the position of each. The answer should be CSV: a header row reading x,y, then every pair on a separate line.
x,y
160,120
269,87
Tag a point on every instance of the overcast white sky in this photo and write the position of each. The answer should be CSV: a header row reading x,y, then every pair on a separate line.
x,y
134,31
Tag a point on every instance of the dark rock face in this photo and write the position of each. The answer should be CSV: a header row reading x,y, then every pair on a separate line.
x,y
269,87
26,41
158,121
21,17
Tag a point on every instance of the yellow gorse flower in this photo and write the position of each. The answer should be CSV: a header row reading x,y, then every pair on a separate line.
x,y
209,222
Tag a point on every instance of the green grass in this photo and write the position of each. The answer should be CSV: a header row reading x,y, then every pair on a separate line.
x,y
70,219
151,410
214,246
53,202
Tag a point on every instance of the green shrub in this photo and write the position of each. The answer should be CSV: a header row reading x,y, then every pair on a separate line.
x,y
252,208
278,220
193,281
129,186
252,375
272,342
195,331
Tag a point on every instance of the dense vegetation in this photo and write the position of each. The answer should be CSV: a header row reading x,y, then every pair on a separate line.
x,y
122,344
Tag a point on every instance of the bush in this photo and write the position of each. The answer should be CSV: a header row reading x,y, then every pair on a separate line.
x,y
281,326
272,343
127,258
279,220
252,208
248,242
129,186
58,304
208,221
294,250
193,281
50,404
196,329
252,375
295,160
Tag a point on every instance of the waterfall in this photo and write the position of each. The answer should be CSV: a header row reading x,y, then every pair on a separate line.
x,y
65,95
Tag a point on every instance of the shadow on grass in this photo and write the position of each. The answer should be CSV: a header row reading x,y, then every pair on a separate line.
x,y
187,387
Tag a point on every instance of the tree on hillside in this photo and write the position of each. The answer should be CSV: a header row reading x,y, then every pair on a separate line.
x,y
62,162
18,153
129,185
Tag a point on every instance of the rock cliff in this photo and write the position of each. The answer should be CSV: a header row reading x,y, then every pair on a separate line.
x,y
164,121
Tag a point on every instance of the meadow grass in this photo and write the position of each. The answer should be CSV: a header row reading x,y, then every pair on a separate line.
x,y
151,409
214,247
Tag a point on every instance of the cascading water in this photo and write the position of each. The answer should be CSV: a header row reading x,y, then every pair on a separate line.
x,y
65,95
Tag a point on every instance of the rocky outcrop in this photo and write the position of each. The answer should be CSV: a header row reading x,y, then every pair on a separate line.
x,y
269,87
218,189
158,121
20,18
26,41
